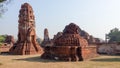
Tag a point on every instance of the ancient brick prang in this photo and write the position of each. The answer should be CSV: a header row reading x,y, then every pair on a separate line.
x,y
46,35
47,41
26,44
70,46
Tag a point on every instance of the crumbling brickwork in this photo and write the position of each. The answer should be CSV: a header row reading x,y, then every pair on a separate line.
x,y
8,43
26,44
110,49
5,48
89,38
9,39
70,46
47,41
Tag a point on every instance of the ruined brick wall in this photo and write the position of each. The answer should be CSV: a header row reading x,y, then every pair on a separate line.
x,y
110,49
68,53
89,52
71,40
65,53
8,43
5,48
89,38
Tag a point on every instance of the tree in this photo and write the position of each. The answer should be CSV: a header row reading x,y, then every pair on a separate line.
x,y
3,4
2,39
114,35
39,40
2,1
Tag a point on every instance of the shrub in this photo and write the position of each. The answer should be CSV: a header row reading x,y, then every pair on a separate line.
x,y
2,38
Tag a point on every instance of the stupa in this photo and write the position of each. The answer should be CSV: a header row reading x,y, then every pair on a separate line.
x,y
70,46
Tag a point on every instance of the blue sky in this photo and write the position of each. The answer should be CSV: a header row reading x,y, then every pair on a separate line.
x,y
97,17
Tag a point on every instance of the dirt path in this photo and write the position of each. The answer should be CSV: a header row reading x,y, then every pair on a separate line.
x,y
34,61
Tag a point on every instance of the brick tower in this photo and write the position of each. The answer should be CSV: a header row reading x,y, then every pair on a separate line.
x,y
46,35
47,41
26,44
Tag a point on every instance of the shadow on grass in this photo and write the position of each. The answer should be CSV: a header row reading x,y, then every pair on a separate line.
x,y
37,59
0,63
5,54
107,60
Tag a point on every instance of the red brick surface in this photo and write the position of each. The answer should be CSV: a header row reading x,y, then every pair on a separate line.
x,y
70,46
26,44
4,48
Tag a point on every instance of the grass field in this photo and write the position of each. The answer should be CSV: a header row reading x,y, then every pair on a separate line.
x,y
34,61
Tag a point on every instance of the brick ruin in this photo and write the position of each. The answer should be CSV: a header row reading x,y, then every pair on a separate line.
x,y
89,38
26,43
8,43
109,49
46,35
57,35
47,41
9,39
85,35
4,48
70,46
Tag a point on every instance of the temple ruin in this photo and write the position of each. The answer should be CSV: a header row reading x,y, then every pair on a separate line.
x,y
26,43
8,43
9,39
70,46
47,41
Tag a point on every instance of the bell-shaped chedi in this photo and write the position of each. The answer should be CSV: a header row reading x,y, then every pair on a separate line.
x,y
70,46
26,44
71,29
71,37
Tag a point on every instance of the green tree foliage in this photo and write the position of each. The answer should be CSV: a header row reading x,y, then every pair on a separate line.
x,y
114,35
2,1
2,38
39,40
3,4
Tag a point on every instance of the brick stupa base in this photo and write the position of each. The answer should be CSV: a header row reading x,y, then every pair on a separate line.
x,y
69,53
26,49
